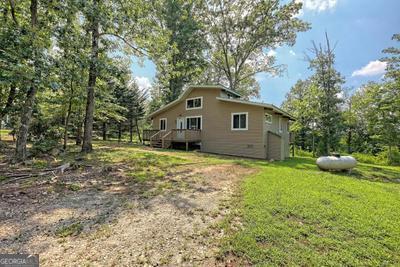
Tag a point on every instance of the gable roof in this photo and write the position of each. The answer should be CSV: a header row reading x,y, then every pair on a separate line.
x,y
187,92
264,105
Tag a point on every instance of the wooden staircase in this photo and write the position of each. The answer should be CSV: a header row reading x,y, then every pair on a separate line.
x,y
156,143
161,140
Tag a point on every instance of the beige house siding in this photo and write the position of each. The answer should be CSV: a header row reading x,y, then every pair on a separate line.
x,y
274,145
217,135
274,128
220,138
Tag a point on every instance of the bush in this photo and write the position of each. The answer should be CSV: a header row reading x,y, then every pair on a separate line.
x,y
394,159
368,158
381,158
47,140
43,146
302,153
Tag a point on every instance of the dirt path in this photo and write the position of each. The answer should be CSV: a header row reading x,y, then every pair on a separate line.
x,y
92,219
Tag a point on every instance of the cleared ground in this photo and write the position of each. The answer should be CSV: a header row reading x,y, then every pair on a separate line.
x,y
130,205
122,205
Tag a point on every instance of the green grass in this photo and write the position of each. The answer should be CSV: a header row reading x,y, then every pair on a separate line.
x,y
294,214
72,229
290,212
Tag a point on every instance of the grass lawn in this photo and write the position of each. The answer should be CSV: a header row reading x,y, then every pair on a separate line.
x,y
283,213
294,214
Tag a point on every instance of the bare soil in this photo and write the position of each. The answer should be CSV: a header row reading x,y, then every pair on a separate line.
x,y
96,216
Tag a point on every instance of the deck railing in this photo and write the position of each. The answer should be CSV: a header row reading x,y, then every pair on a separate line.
x,y
186,135
178,135
149,133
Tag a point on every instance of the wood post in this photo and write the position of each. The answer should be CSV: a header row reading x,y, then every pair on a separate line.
x,y
187,146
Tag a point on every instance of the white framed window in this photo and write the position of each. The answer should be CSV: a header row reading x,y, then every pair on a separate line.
x,y
268,118
163,124
194,122
280,125
239,121
194,103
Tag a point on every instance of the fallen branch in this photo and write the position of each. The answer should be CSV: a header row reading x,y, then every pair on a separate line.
x,y
12,177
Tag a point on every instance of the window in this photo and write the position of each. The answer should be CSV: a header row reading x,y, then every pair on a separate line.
x,y
239,121
194,103
163,124
268,118
193,123
280,125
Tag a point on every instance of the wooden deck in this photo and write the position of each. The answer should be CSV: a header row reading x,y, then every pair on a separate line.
x,y
165,139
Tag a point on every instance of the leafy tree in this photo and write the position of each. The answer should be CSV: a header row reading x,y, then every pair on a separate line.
x,y
70,49
328,81
128,21
183,62
383,113
393,62
133,100
24,57
302,101
239,34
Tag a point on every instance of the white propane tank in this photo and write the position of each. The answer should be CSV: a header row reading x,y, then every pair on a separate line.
x,y
336,163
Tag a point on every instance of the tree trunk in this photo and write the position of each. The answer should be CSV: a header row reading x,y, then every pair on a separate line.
x,y
78,140
88,130
313,144
390,155
26,113
138,131
26,116
119,132
349,137
104,131
67,117
10,100
130,131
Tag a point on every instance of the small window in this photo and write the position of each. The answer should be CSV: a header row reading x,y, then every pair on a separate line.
x,y
239,121
268,118
163,124
193,123
194,103
280,125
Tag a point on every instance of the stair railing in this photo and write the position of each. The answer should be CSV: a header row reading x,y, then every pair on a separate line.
x,y
155,137
166,140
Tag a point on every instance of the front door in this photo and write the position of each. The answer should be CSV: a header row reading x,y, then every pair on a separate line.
x,y
180,125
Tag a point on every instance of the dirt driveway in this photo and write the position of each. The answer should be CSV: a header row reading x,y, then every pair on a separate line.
x,y
89,218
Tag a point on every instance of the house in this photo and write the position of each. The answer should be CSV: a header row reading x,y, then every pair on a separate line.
x,y
218,120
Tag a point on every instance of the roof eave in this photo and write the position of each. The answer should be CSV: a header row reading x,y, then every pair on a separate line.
x,y
264,105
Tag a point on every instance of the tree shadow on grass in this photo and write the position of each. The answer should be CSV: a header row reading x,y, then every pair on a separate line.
x,y
105,191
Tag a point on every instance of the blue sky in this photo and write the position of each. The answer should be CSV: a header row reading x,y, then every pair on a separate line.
x,y
361,28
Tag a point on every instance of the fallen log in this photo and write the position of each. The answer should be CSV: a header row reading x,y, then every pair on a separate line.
x,y
12,177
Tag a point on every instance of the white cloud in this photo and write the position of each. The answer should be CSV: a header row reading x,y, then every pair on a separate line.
x,y
271,53
292,52
318,5
143,82
372,68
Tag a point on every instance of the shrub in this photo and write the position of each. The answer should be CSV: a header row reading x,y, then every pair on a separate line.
x,y
381,158
43,146
47,140
368,158
394,158
302,153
